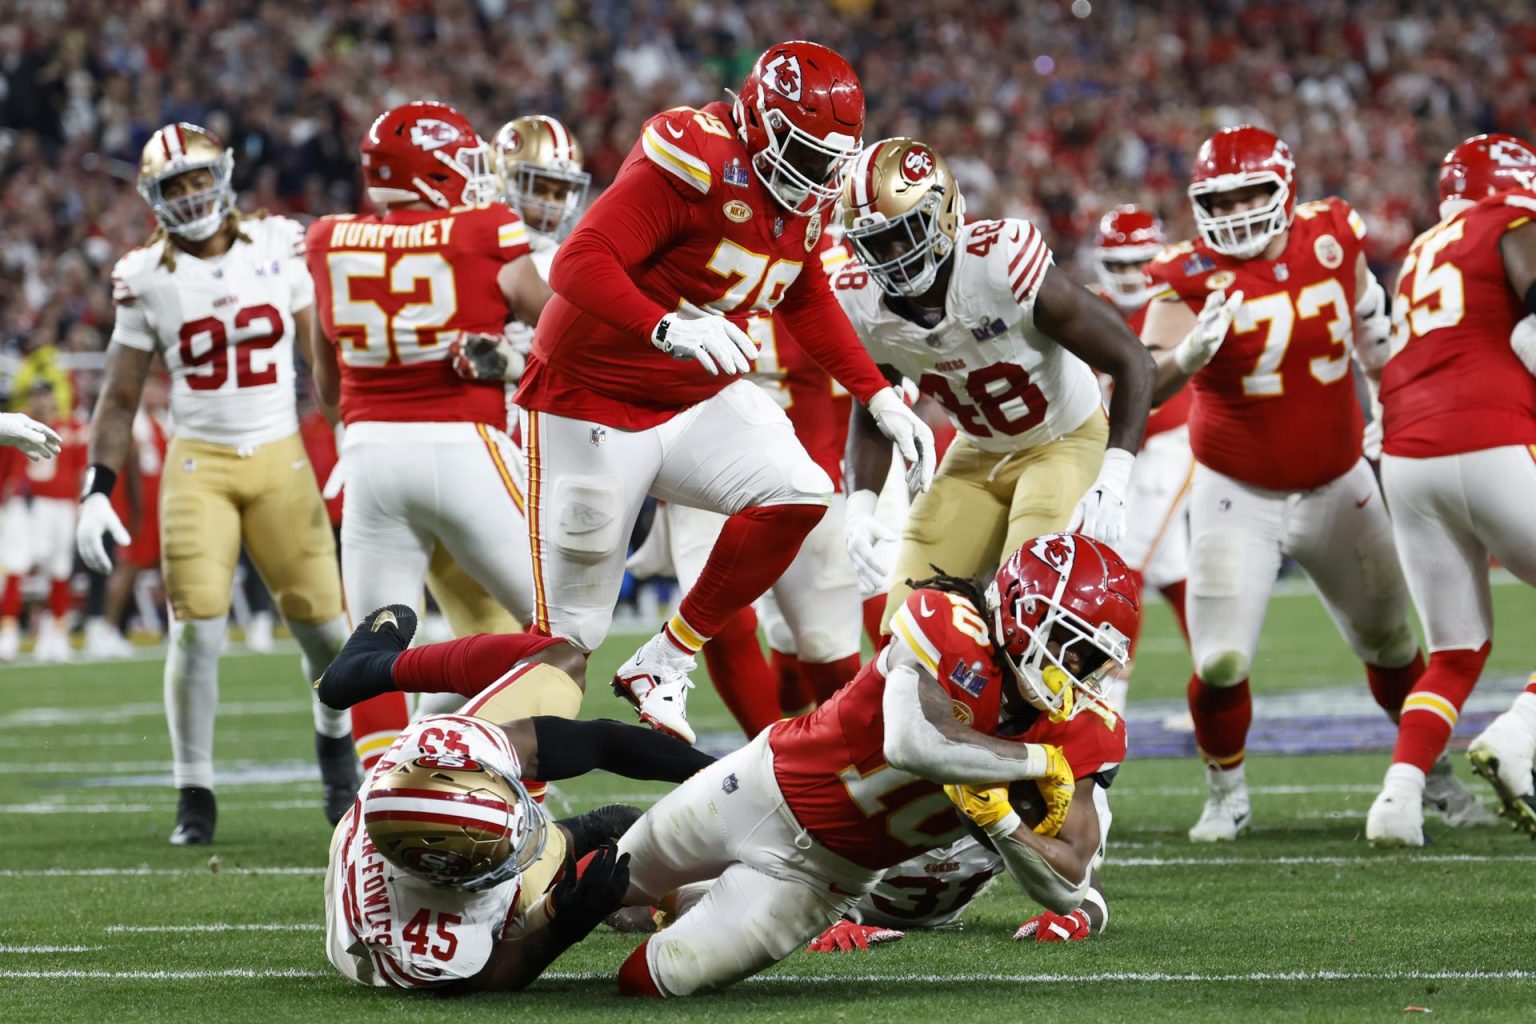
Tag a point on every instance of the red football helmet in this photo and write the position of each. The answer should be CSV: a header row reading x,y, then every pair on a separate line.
x,y
427,152
1071,593
800,113
1240,158
1128,239
1485,164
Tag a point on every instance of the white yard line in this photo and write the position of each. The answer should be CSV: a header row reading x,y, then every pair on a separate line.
x,y
64,807
235,972
218,927
140,872
1111,861
123,713
49,949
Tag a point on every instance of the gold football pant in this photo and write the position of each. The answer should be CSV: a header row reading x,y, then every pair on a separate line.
x,y
983,505
213,497
468,607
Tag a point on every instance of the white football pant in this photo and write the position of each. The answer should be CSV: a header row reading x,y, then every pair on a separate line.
x,y
735,450
1341,536
1449,514
39,534
1156,541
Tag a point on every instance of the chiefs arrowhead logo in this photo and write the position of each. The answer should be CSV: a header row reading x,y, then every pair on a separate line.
x,y
1057,551
782,75
1508,154
917,164
429,133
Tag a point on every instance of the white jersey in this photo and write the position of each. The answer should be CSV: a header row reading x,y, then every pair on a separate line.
x,y
388,929
224,327
931,889
1005,383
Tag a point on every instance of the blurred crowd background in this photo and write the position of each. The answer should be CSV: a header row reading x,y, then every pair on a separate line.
x,y
1049,109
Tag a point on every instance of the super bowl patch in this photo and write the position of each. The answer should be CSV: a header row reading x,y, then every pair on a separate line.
x,y
970,678
734,173
1199,263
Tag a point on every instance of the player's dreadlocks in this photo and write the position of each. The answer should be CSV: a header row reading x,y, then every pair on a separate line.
x,y
233,219
971,588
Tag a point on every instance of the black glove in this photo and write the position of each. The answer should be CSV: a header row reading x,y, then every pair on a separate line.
x,y
485,357
577,904
607,824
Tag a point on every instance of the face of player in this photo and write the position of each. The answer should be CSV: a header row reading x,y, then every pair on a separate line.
x,y
545,201
196,190
1239,200
1079,657
888,244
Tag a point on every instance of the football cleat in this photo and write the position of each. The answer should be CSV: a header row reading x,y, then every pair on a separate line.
x,y
53,642
1396,817
1449,799
655,680
196,814
1503,754
364,666
339,774
1227,810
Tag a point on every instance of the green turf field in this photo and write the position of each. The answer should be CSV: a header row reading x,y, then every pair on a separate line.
x,y
1300,920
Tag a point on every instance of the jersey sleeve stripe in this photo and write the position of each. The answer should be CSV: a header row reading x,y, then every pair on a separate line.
x,y
1031,244
511,234
674,160
912,635
1356,224
1025,284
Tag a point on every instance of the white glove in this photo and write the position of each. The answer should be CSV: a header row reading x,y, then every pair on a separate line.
x,y
871,544
1523,340
912,437
96,520
1373,336
1200,344
717,344
1101,512
36,440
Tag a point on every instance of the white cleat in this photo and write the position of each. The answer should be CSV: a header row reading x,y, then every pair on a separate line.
x,y
655,680
1449,799
103,642
52,642
1227,811
1505,755
1396,817
258,633
10,641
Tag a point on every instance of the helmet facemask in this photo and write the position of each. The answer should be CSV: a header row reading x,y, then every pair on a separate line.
x,y
549,200
195,215
1057,638
802,172
1244,234
919,244
1122,274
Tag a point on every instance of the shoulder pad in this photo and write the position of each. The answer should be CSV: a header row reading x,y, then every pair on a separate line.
x,y
1174,270
674,141
287,235
129,272
933,624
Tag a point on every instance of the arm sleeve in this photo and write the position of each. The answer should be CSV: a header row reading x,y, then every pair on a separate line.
x,y
568,749
819,324
914,744
632,220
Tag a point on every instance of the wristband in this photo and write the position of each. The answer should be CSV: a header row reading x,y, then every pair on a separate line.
x,y
98,480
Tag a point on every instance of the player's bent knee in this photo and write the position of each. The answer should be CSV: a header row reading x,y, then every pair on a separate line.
x,y
588,526
1224,668
1393,647
568,658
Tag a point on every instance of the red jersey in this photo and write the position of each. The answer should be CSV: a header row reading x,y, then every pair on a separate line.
x,y
319,439
685,221
1173,413
393,290
60,476
1093,741
1276,407
830,764
1453,383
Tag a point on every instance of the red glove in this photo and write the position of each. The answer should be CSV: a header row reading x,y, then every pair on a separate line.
x,y
845,937
1053,927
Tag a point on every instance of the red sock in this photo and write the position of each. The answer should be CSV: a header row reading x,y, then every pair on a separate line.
x,y
1391,686
10,603
635,976
825,679
1430,711
874,611
794,696
1530,687
754,549
59,600
466,665
1174,592
1222,715
375,724
741,674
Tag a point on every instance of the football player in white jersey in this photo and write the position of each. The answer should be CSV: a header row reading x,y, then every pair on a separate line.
x,y
221,297
979,317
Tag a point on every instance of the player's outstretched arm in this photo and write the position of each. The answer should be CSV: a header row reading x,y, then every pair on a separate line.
x,y
1181,342
871,543
1053,870
524,289
551,749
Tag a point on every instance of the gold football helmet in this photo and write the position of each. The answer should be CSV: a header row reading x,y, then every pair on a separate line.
x,y
902,212
539,163
178,149
453,820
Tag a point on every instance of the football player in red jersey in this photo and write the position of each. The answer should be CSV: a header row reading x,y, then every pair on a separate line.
x,y
633,386
1276,431
799,824
425,453
1459,464
1156,541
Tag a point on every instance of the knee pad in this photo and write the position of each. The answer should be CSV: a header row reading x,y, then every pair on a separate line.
x,y
1224,668
588,527
1215,564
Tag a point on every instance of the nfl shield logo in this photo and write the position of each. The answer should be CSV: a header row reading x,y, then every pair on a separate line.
x,y
598,433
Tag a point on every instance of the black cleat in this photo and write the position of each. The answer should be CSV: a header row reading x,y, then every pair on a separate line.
x,y
603,826
363,668
339,774
196,815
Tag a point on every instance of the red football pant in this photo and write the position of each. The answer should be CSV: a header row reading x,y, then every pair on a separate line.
x,y
756,545
1431,710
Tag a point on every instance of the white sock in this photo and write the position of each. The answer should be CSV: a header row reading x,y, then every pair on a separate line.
x,y
1405,775
1222,781
192,697
1524,707
318,644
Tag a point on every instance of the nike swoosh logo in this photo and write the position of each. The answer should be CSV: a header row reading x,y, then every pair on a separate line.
x,y
674,132
922,606
386,618
1362,502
